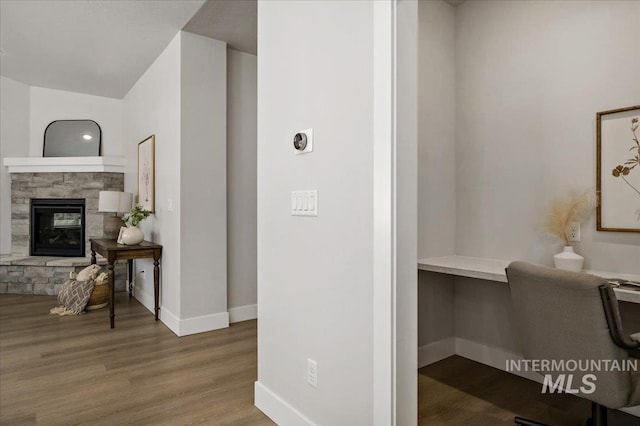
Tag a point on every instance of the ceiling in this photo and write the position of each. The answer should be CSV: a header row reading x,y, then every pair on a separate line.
x,y
102,47
232,21
97,47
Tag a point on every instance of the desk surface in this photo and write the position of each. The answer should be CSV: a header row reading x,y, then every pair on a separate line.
x,y
112,245
494,270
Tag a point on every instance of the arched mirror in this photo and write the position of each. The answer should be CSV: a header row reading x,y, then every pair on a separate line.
x,y
72,138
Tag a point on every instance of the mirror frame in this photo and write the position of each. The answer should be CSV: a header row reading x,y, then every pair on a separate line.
x,y
44,137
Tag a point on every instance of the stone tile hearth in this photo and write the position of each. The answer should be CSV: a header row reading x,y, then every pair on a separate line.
x,y
45,275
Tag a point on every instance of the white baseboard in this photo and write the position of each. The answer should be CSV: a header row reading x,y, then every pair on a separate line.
x,y
436,351
170,320
187,326
243,313
492,356
277,409
146,299
479,352
204,323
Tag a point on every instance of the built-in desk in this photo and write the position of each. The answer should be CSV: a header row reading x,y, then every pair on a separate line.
x,y
494,270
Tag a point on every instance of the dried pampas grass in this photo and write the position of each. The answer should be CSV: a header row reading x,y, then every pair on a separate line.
x,y
575,207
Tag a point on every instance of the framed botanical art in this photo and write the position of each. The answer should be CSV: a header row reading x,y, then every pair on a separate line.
x,y
618,169
146,173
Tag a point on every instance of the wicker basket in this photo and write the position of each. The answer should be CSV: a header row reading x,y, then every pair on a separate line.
x,y
99,297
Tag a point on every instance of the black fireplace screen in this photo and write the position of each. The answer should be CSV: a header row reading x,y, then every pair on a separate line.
x,y
57,227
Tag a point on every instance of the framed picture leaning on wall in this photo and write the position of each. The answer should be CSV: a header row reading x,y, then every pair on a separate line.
x,y
120,240
146,173
618,169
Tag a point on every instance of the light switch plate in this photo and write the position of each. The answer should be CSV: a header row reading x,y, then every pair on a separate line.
x,y
304,203
312,373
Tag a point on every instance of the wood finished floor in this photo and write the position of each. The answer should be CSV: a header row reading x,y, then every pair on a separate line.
x,y
457,391
77,371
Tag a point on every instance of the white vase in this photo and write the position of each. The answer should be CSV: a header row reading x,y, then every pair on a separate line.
x,y
132,236
568,260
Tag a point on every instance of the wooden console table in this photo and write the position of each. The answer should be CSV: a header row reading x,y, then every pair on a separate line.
x,y
112,251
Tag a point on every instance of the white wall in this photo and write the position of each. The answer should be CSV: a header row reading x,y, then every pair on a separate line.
x,y
437,166
181,99
436,129
152,106
28,110
530,77
48,105
242,181
406,162
315,275
14,142
203,172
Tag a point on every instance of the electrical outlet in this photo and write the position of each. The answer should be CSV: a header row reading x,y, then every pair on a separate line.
x,y
312,373
574,231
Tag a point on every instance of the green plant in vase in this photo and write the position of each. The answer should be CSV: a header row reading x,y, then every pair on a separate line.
x,y
137,215
133,235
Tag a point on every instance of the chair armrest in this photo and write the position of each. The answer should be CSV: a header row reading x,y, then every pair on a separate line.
x,y
610,304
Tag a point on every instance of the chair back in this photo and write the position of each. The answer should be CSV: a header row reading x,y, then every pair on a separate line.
x,y
560,316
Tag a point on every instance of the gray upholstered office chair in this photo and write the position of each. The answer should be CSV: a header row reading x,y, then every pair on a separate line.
x,y
564,315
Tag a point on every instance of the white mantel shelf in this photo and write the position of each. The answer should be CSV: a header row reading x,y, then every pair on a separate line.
x,y
494,270
65,164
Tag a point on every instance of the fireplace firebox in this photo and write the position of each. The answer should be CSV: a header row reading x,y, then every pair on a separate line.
x,y
57,227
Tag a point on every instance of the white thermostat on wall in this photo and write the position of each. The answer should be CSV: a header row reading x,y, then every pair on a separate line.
x,y
303,141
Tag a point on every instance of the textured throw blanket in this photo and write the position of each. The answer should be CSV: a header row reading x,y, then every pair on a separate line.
x,y
73,297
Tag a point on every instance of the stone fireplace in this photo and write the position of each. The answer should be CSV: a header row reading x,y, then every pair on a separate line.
x,y
61,185
26,187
